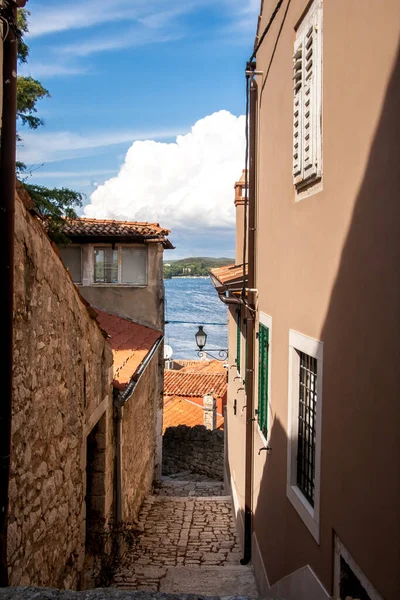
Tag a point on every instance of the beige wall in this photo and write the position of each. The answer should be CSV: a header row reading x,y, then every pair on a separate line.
x,y
327,266
144,305
62,388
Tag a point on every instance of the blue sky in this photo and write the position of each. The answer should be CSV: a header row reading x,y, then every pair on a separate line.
x,y
124,71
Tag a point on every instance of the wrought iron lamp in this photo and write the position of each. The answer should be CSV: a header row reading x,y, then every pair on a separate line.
x,y
201,339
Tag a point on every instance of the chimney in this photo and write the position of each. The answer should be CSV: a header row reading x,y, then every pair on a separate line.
x,y
210,411
239,204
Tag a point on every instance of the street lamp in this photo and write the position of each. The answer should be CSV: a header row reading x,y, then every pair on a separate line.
x,y
201,339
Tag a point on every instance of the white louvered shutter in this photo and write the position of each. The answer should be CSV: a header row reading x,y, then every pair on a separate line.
x,y
310,166
297,111
307,151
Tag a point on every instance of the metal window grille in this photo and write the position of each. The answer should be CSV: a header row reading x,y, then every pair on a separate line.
x,y
307,426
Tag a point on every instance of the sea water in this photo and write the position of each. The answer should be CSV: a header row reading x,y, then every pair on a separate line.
x,y
190,302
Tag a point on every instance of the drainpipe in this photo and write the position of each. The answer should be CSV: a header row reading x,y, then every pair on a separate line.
x,y
221,291
119,464
7,213
250,315
119,401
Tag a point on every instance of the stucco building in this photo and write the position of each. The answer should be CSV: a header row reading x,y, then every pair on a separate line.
x,y
313,328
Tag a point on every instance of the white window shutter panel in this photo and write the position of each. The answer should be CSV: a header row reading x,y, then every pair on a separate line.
x,y
310,103
307,98
297,111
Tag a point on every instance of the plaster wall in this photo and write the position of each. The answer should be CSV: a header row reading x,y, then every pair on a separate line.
x,y
143,304
327,267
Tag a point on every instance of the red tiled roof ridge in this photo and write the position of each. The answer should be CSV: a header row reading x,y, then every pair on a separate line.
x,y
177,383
130,344
119,221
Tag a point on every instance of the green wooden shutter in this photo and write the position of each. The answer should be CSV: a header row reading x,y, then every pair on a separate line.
x,y
238,335
263,358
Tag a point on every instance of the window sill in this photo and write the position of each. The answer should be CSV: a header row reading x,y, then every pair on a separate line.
x,y
304,509
308,188
264,440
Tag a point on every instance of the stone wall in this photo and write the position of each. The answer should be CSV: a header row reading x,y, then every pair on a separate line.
x,y
195,449
139,438
62,388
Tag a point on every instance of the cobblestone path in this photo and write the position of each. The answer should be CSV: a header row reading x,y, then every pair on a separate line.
x,y
189,544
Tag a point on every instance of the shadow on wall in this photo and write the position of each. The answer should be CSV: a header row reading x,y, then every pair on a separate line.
x,y
360,472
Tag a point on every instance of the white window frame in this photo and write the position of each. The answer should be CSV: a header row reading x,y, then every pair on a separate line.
x,y
341,550
266,320
119,248
313,17
310,515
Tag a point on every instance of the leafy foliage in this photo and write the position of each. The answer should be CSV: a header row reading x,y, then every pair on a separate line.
x,y
193,267
54,205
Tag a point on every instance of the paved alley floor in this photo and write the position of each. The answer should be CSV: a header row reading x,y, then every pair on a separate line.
x,y
189,544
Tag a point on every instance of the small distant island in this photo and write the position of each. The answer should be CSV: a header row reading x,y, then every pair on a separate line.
x,y
193,267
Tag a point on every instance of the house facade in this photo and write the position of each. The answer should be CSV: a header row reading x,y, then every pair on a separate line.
x,y
118,266
312,397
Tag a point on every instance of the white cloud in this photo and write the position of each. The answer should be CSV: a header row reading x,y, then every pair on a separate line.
x,y
40,147
51,70
187,184
131,38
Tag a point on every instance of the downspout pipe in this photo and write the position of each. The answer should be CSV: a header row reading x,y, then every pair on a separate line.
x,y
221,291
7,217
250,316
119,401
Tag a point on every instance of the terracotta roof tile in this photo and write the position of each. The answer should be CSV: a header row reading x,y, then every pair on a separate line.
x,y
229,274
178,383
200,366
180,411
130,344
84,227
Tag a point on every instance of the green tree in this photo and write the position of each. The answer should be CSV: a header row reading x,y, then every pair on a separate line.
x,y
53,204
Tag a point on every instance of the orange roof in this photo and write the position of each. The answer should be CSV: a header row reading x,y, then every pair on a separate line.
x,y
229,274
130,344
83,227
178,383
200,366
179,411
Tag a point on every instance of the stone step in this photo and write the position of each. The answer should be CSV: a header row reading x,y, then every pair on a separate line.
x,y
200,580
35,593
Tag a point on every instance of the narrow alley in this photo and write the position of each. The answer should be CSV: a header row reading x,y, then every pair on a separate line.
x,y
189,543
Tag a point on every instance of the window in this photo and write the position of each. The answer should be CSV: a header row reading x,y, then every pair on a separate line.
x,y
307,101
122,265
238,336
304,427
72,259
263,377
105,265
307,412
134,265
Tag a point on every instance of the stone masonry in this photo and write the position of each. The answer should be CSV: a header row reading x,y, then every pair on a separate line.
x,y
62,387
195,449
187,545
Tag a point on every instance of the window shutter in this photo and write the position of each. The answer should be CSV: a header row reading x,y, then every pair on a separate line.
x,y
297,110
310,166
307,93
263,360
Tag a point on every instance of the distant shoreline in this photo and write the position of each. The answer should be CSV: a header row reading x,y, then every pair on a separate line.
x,y
188,277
